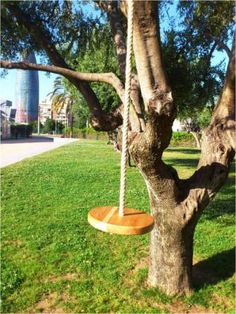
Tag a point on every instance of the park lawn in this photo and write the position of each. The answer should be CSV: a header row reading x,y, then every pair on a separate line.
x,y
53,261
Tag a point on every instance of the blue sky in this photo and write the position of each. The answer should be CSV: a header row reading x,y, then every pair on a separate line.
x,y
7,85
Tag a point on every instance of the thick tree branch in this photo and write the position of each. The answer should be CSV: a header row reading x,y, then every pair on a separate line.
x,y
147,148
218,41
143,66
109,78
147,50
226,104
138,109
115,19
153,41
218,149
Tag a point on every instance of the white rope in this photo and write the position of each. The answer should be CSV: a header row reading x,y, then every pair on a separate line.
x,y
124,153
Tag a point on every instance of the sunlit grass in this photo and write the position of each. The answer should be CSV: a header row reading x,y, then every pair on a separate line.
x,y
53,260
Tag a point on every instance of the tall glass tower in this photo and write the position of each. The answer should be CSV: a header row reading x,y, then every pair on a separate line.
x,y
27,93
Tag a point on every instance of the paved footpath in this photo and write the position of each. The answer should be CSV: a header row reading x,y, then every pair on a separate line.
x,y
12,151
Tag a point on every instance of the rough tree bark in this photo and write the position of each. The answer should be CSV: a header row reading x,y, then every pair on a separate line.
x,y
175,204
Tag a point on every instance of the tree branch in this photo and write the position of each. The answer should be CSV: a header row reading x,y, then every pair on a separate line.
x,y
147,50
142,65
115,19
226,104
109,78
153,42
223,46
218,149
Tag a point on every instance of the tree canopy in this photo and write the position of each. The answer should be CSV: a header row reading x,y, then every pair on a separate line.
x,y
76,38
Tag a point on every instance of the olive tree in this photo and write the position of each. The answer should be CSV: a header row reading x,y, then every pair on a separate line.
x,y
58,29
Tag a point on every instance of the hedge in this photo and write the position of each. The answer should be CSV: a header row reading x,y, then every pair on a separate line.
x,y
21,130
88,133
178,138
182,139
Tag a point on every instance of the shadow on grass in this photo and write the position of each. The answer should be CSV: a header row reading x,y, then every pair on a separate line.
x,y
224,204
214,269
183,150
188,163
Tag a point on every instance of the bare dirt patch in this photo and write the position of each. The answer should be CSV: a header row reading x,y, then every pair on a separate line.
x,y
14,242
143,263
70,276
66,277
48,304
223,301
179,307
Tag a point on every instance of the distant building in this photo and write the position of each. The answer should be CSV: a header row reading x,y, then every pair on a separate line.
x,y
7,110
177,126
61,116
45,110
7,116
13,115
5,129
6,106
27,93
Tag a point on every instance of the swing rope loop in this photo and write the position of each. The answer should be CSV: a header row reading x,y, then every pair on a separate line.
x,y
124,153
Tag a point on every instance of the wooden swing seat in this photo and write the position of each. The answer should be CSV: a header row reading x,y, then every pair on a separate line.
x,y
133,222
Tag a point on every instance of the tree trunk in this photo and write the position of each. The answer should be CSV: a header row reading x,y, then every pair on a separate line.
x,y
170,267
197,137
171,251
171,245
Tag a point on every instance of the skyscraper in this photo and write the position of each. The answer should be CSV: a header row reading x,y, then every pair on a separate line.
x,y
27,93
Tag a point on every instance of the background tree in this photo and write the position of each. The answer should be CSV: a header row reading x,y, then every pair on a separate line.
x,y
62,100
101,50
196,124
49,126
189,46
60,30
206,81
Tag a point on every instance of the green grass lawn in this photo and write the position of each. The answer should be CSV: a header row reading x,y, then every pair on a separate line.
x,y
53,261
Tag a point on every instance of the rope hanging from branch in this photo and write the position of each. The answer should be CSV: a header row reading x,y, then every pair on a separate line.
x,y
124,153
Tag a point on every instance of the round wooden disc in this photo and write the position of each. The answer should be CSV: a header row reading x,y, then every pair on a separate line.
x,y
107,219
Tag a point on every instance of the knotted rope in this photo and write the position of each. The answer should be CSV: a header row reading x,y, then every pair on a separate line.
x,y
124,153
